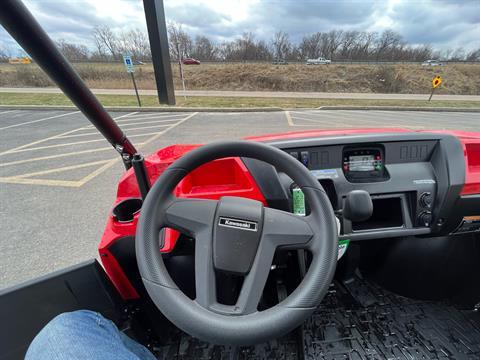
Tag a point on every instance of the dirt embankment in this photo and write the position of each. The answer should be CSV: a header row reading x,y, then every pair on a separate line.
x,y
408,78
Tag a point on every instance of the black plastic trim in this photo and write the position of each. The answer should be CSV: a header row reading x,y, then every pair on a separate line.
x,y
268,181
26,308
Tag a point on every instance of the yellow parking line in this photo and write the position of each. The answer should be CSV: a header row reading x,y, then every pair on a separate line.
x,y
39,120
289,118
57,156
52,171
108,165
6,112
38,141
125,115
78,135
54,156
148,127
151,116
65,183
147,122
25,178
58,145
137,120
96,133
98,171
307,119
166,114
53,137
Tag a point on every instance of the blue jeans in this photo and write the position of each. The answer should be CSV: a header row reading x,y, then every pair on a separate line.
x,y
82,335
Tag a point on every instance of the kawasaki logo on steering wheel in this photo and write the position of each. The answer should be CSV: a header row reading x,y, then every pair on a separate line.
x,y
238,224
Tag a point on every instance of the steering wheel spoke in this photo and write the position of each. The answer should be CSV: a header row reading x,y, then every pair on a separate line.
x,y
285,229
254,283
205,285
190,216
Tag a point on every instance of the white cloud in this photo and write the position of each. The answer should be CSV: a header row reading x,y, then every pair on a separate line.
x,y
442,23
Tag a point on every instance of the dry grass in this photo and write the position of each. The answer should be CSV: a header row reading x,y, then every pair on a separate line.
x,y
408,78
228,102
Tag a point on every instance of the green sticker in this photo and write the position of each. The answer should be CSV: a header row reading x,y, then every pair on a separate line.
x,y
298,202
342,247
299,209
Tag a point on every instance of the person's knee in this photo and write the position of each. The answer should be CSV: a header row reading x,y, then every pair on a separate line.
x,y
63,330
75,319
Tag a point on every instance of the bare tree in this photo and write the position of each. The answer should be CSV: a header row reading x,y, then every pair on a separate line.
x,y
4,54
348,43
281,45
204,49
135,43
73,52
473,55
106,41
333,41
458,54
386,44
180,43
335,44
310,45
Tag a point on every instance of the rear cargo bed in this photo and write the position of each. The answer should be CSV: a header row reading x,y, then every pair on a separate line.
x,y
360,320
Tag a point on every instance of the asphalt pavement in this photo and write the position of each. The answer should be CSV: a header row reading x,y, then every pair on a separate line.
x,y
58,175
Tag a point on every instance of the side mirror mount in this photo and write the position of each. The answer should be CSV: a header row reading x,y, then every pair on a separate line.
x,y
358,206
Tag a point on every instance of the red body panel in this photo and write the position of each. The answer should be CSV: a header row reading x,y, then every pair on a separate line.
x,y
230,177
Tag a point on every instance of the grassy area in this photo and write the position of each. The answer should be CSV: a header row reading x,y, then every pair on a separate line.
x,y
226,102
461,79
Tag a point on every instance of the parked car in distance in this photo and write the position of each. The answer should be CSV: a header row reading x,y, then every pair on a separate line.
x,y
432,63
279,62
318,61
190,61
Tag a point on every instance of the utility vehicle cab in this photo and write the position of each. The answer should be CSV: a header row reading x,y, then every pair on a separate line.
x,y
324,244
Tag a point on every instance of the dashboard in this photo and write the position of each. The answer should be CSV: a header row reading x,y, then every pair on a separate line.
x,y
414,181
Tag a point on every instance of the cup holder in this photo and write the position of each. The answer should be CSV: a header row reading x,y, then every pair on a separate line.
x,y
125,210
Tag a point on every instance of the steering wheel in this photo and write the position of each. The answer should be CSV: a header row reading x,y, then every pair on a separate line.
x,y
240,236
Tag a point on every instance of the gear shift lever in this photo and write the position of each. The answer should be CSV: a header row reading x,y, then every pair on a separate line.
x,y
358,206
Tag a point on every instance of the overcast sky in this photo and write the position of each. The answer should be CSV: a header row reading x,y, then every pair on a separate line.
x,y
442,23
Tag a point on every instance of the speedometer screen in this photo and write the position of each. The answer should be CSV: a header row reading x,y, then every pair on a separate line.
x,y
361,162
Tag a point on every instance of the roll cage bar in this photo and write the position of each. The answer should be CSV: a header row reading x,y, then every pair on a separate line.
x,y
22,26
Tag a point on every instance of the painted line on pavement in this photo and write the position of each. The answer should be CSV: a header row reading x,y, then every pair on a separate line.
x,y
39,120
60,169
114,161
51,137
24,178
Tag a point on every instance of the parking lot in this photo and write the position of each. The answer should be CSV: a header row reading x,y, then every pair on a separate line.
x,y
58,175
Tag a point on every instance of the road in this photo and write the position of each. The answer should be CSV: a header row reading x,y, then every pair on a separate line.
x,y
261,94
58,175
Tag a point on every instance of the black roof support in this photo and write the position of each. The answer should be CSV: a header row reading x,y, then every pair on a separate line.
x,y
157,33
23,27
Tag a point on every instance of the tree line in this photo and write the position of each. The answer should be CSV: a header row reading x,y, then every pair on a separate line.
x,y
336,45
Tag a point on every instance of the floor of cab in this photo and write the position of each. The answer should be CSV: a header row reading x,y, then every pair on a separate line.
x,y
357,321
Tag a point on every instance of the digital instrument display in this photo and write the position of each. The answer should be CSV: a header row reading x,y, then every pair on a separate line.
x,y
365,164
361,162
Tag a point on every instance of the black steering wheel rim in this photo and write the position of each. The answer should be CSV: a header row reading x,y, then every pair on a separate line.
x,y
226,325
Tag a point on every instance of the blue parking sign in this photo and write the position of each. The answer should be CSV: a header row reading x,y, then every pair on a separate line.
x,y
127,60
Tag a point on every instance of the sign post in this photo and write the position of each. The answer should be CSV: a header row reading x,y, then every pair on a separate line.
x,y
436,81
127,60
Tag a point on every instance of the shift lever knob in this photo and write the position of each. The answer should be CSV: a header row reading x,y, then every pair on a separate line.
x,y
358,206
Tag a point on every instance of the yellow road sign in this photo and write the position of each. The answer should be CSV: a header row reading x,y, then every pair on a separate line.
x,y
436,81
